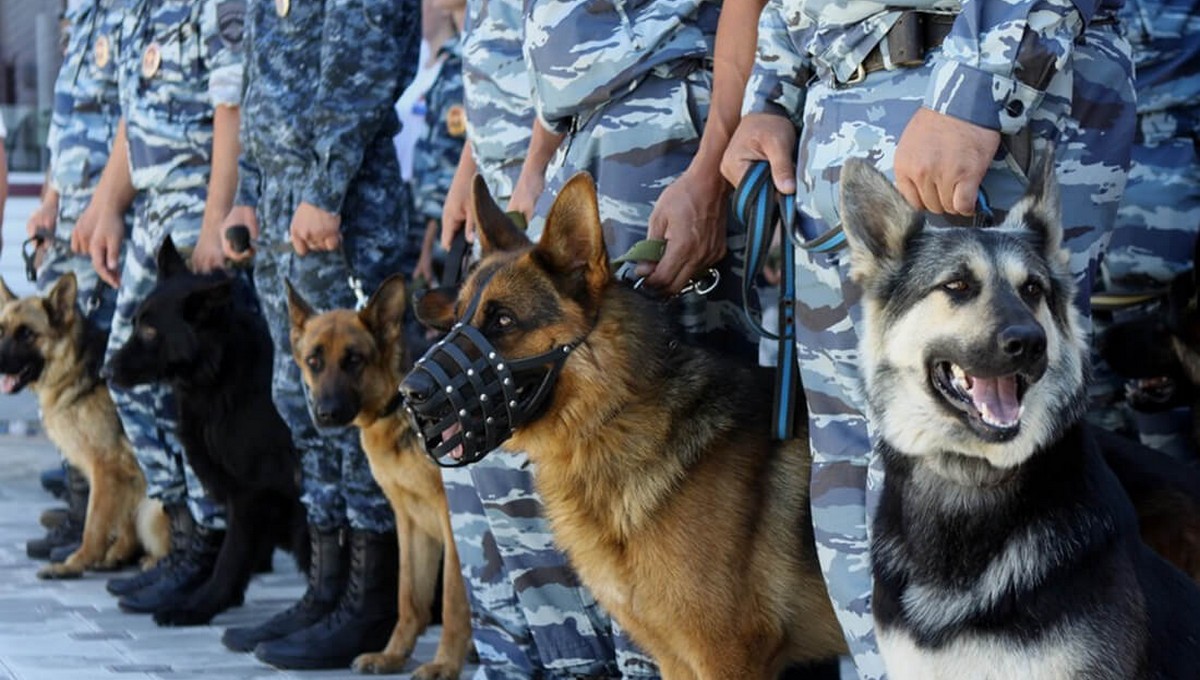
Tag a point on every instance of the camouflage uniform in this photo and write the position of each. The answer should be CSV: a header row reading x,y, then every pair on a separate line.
x,y
633,109
321,79
981,74
1160,214
179,61
436,153
87,108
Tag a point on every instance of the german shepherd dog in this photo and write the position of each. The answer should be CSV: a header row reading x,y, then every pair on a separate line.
x,y
204,335
661,482
47,344
1004,546
352,363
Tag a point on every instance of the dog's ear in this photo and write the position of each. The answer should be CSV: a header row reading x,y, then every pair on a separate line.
x,y
170,262
202,303
60,301
435,308
6,295
876,219
299,311
496,231
384,313
1040,210
573,240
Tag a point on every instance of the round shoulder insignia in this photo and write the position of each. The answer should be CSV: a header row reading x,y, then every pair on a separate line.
x,y
282,7
101,51
151,59
456,120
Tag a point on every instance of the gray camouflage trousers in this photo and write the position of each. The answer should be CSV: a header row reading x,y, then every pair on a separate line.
x,y
338,488
1088,112
148,411
97,299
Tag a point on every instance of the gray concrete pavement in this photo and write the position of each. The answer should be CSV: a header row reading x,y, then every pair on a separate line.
x,y
73,630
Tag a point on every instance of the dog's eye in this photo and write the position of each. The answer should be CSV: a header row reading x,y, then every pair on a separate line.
x,y
314,362
505,320
147,333
1032,290
956,286
352,360
23,334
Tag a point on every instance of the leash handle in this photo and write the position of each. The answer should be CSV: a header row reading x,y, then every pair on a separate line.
x,y
455,266
759,207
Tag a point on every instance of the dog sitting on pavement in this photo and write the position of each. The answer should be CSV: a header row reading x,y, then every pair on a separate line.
x,y
352,363
204,335
660,479
1004,546
47,344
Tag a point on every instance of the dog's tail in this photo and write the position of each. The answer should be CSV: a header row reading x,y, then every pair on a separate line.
x,y
153,530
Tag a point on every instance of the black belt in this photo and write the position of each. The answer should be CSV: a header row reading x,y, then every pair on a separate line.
x,y
914,35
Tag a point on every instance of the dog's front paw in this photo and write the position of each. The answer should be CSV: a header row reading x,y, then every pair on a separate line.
x,y
379,663
182,616
109,565
59,571
436,670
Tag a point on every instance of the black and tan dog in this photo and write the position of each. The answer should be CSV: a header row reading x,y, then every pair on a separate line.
x,y
1004,546
352,363
654,457
47,344
205,337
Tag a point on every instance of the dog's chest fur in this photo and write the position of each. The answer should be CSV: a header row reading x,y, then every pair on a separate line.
x,y
978,581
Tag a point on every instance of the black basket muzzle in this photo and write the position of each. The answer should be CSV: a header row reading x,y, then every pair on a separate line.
x,y
465,399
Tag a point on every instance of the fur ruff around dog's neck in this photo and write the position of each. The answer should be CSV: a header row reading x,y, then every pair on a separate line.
x,y
614,394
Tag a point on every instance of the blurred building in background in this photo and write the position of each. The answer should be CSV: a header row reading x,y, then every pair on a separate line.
x,y
30,54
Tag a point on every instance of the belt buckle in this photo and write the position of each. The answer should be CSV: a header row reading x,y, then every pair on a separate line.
x,y
859,75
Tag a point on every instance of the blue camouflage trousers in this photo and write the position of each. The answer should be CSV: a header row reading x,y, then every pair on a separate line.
x,y
338,488
1152,241
97,299
148,411
1088,113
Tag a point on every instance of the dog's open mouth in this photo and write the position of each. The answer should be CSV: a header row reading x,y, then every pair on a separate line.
x,y
11,383
990,405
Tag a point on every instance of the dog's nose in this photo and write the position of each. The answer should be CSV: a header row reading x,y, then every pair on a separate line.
x,y
418,386
1025,341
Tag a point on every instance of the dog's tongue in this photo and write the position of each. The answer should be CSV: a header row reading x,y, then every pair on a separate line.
x,y
996,399
457,452
8,383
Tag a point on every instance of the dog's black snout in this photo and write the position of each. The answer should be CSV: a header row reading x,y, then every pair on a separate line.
x,y
1026,341
418,386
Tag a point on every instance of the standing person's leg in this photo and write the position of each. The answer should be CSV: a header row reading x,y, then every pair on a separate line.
x,y
148,412
97,299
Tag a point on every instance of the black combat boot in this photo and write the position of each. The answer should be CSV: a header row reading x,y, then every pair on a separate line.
x,y
183,577
181,523
68,534
363,619
326,580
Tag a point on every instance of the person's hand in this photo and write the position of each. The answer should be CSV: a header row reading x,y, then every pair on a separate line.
x,y
104,245
314,229
759,137
941,161
456,211
690,215
208,255
85,226
239,215
45,217
529,188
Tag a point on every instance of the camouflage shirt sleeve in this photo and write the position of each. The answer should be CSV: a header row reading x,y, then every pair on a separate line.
x,y
221,24
1000,56
364,59
782,69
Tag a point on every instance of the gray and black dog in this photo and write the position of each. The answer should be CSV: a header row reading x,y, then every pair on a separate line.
x,y
1004,547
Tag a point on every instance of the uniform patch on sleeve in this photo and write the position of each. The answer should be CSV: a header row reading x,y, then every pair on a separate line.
x,y
231,21
456,121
